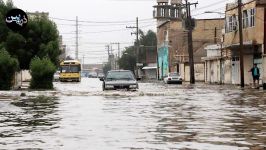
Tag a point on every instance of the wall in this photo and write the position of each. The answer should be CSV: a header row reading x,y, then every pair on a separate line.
x,y
264,69
254,34
213,71
163,61
150,73
198,70
248,64
227,71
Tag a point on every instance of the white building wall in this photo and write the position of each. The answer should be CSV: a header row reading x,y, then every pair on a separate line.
x,y
187,72
213,71
264,69
248,64
199,72
228,71
182,71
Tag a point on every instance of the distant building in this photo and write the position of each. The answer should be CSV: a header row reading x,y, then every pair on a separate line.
x,y
150,62
172,40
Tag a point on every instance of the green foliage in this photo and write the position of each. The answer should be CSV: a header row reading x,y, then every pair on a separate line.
x,y
42,71
39,38
128,59
8,66
149,39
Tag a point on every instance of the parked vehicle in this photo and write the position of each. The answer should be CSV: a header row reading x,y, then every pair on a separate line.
x,y
57,76
92,75
100,75
119,79
173,77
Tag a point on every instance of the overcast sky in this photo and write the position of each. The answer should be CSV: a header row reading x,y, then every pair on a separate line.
x,y
105,21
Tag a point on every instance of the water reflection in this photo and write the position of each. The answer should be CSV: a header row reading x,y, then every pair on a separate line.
x,y
196,117
29,116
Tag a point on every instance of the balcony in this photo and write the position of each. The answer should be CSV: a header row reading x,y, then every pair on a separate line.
x,y
166,12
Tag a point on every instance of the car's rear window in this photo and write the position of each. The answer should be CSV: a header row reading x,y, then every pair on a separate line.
x,y
174,74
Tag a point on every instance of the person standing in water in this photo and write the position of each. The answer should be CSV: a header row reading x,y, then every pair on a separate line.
x,y
256,75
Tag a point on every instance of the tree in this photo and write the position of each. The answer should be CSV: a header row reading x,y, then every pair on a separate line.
x,y
42,71
8,66
39,38
128,59
149,39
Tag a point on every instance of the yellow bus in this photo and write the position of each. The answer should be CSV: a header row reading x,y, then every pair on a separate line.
x,y
70,70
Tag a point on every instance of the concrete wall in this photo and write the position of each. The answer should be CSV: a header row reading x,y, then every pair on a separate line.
x,y
227,71
182,71
264,69
20,77
248,64
213,71
198,70
150,74
163,64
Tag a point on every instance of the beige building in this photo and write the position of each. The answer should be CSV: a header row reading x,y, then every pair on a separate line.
x,y
172,37
253,13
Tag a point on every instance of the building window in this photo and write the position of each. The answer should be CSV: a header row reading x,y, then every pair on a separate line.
x,y
231,23
163,12
245,19
166,36
252,17
235,19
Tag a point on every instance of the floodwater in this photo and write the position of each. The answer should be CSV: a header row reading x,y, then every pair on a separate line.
x,y
80,116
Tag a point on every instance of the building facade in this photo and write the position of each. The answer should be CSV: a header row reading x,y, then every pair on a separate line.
x,y
253,20
172,40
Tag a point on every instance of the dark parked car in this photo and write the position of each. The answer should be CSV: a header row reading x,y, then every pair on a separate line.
x,y
119,79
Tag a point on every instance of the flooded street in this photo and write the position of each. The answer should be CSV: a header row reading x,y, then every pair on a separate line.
x,y
156,117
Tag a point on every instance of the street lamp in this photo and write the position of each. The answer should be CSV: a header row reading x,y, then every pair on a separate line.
x,y
221,45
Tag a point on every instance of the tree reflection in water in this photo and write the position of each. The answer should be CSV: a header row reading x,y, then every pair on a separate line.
x,y
36,115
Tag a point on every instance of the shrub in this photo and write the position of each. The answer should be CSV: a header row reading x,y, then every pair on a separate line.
x,y
42,71
8,67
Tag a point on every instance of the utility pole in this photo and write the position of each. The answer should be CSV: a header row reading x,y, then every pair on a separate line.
x,y
77,35
108,50
190,28
241,44
137,44
118,47
117,56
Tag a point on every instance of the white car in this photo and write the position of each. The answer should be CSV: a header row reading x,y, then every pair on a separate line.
x,y
57,76
173,77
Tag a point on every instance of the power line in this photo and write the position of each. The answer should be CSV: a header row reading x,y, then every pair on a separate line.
x,y
106,31
100,22
210,10
210,5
